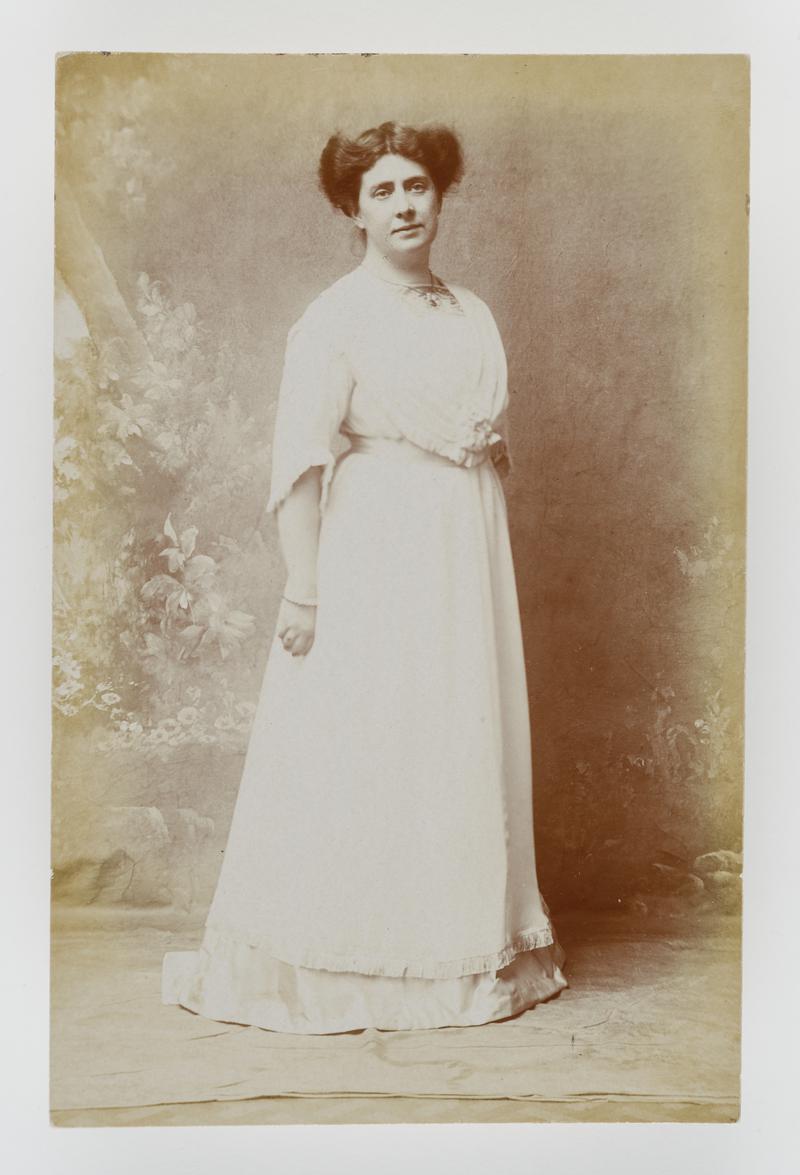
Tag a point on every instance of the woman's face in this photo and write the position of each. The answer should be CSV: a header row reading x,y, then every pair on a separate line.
x,y
398,206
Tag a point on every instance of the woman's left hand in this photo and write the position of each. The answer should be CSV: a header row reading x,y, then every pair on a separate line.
x,y
498,452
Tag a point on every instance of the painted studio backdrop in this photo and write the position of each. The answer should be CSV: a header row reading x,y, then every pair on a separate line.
x,y
603,217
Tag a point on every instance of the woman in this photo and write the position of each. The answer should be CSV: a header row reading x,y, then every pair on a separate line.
x,y
380,866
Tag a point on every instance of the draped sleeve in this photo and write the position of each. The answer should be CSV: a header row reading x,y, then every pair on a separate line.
x,y
500,450
313,400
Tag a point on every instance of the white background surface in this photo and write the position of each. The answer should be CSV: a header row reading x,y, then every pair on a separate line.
x,y
32,34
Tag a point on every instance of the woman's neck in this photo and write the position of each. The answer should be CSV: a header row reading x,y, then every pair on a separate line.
x,y
415,271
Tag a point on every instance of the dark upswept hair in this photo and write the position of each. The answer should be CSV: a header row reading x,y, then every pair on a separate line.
x,y
344,160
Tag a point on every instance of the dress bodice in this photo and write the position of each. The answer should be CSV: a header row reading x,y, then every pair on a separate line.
x,y
370,357
408,341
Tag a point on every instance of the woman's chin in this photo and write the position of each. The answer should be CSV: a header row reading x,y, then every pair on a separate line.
x,y
407,244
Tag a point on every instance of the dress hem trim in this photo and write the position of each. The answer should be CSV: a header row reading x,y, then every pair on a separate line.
x,y
413,968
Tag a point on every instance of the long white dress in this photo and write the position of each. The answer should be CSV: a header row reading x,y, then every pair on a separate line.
x,y
380,867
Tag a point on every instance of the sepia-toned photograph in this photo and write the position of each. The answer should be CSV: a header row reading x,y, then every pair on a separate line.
x,y
399,480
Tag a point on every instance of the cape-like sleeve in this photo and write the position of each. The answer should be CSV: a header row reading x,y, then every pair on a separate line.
x,y
313,400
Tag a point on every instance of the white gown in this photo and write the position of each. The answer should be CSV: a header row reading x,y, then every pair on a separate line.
x,y
380,867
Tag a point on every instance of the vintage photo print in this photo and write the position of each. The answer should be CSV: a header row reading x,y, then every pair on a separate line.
x,y
398,587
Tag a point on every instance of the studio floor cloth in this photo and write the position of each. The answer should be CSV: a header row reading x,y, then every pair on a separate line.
x,y
380,868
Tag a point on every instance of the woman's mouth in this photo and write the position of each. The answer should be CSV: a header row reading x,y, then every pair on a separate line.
x,y
408,228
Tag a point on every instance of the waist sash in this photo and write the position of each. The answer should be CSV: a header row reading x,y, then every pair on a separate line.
x,y
402,449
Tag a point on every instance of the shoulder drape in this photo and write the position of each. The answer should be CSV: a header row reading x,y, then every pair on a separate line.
x,y
313,400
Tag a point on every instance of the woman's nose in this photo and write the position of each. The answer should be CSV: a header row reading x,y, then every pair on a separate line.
x,y
404,202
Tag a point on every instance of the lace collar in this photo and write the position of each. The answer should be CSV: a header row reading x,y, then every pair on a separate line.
x,y
430,296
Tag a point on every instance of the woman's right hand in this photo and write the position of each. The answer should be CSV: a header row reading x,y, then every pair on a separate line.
x,y
296,627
